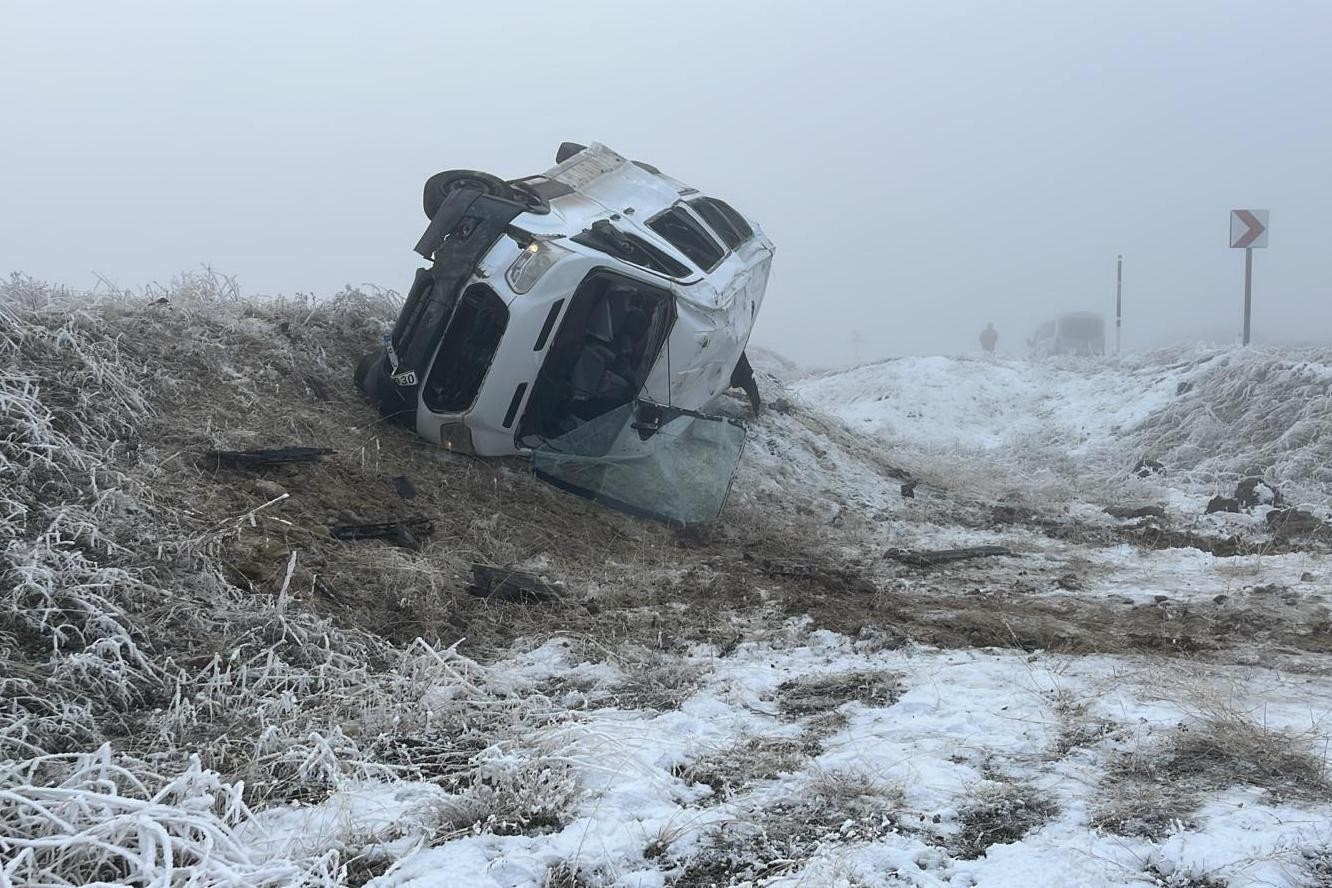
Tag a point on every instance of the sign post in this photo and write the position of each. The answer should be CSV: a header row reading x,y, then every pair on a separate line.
x,y
1119,300
1248,231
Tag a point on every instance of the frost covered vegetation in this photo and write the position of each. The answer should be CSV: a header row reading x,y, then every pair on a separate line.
x,y
198,685
137,676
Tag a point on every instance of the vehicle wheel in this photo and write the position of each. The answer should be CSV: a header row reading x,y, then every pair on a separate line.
x,y
568,150
438,186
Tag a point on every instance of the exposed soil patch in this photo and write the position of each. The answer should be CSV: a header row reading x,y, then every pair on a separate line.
x,y
632,581
936,612
1146,528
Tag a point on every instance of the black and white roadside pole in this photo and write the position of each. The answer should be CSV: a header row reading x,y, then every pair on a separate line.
x,y
1119,300
1248,231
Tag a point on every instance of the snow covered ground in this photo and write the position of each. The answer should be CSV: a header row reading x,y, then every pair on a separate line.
x,y
807,758
200,686
986,404
803,756
1209,416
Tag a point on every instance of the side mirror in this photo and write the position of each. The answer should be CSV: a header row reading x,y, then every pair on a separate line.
x,y
647,420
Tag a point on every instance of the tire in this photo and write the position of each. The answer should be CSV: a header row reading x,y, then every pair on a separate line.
x,y
438,186
568,150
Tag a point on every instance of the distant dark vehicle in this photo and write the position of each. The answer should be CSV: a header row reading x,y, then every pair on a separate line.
x,y
1075,333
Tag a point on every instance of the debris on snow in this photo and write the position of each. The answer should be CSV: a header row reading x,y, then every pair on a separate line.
x,y
936,557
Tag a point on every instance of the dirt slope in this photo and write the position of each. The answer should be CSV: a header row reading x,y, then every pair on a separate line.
x,y
205,625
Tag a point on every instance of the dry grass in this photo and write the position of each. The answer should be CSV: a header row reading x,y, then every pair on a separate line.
x,y
94,818
510,795
1182,878
202,633
1316,864
999,812
1149,791
564,875
779,836
1077,728
1248,412
739,767
1233,749
820,694
654,680
199,630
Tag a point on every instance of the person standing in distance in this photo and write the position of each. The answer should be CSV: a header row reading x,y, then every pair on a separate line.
x,y
988,337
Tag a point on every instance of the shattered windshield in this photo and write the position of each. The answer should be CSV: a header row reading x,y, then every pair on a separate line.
x,y
608,239
648,460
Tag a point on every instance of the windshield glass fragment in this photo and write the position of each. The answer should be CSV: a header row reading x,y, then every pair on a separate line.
x,y
648,460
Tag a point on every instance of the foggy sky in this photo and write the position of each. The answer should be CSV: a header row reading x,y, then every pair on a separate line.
x,y
922,167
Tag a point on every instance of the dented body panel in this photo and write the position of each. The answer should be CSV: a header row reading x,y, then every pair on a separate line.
x,y
660,328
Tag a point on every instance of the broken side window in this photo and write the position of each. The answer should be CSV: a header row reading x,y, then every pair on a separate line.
x,y
600,357
684,233
608,239
648,460
468,347
724,220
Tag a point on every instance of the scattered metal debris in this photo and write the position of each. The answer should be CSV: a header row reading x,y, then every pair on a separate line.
x,y
276,456
405,533
935,557
507,584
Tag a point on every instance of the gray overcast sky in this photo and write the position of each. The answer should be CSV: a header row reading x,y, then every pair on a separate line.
x,y
923,167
